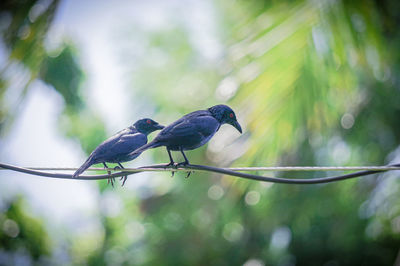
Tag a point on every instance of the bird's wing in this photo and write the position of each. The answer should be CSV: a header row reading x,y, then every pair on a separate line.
x,y
116,145
206,125
128,143
108,143
183,125
191,130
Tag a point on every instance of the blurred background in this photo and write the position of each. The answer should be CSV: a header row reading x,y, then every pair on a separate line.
x,y
313,83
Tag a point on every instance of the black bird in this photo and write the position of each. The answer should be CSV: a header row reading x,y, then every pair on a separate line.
x,y
192,131
119,147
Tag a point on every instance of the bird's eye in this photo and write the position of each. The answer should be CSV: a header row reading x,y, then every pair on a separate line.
x,y
231,115
148,121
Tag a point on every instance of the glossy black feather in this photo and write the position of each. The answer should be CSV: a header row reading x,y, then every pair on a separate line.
x,y
119,147
192,130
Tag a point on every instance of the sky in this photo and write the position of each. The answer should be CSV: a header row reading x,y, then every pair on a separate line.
x,y
35,140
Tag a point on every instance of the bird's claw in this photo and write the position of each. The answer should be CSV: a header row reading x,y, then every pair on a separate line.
x,y
176,165
182,164
111,181
185,163
171,164
124,180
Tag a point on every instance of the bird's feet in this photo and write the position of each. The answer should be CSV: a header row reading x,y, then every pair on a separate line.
x,y
123,178
188,174
184,164
171,165
111,181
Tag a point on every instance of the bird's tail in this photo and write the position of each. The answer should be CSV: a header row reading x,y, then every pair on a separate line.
x,y
84,166
147,146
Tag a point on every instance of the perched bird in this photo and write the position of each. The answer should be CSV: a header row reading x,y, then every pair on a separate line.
x,y
119,147
191,131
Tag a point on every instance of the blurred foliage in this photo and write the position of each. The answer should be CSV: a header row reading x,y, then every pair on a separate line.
x,y
312,83
59,72
23,238
25,35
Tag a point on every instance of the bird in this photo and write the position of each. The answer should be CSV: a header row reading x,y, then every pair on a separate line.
x,y
120,146
191,131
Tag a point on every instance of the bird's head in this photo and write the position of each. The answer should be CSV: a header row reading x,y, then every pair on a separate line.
x,y
225,115
147,125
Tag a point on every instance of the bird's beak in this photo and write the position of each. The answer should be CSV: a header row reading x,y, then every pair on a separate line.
x,y
159,126
237,126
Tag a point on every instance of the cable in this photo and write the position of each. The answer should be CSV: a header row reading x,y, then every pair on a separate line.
x,y
241,169
226,171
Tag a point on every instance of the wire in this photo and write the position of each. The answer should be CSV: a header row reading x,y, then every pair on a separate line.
x,y
240,169
204,168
